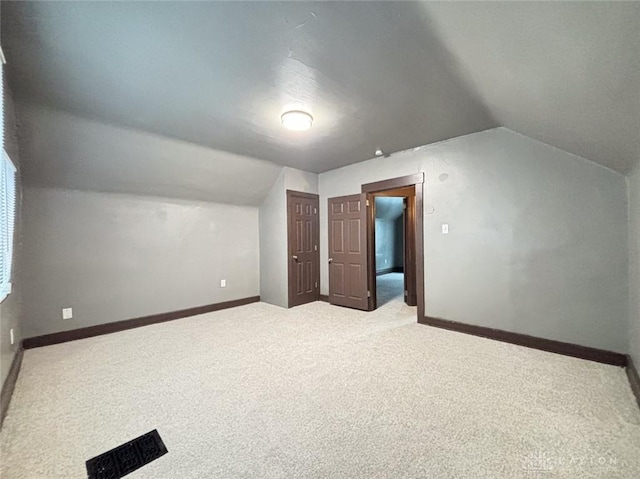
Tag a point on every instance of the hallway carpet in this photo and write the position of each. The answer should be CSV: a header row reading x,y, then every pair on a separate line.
x,y
388,287
320,391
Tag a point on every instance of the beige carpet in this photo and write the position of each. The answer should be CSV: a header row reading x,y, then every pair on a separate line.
x,y
320,392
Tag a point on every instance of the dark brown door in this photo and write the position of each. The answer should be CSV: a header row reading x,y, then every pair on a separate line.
x,y
410,294
303,237
348,251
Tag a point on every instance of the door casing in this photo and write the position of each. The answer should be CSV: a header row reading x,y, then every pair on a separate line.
x,y
381,188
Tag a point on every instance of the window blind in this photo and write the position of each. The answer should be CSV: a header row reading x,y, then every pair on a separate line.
x,y
7,205
7,222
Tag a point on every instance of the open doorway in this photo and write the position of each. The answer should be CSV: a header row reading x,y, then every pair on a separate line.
x,y
410,190
389,248
393,208
352,244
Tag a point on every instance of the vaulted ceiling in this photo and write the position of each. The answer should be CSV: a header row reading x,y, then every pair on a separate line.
x,y
374,75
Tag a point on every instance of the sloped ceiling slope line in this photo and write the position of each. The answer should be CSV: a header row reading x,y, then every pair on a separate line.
x,y
389,75
220,74
64,151
564,73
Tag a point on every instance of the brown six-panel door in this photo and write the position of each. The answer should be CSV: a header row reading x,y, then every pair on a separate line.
x,y
348,251
303,237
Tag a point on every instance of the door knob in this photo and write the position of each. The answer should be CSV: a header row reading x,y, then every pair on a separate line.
x,y
295,258
330,260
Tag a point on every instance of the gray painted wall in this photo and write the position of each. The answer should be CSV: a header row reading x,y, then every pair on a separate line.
x,y
273,245
112,257
389,233
385,244
634,265
299,180
537,242
11,306
273,234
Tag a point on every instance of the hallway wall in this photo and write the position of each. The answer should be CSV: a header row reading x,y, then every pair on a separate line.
x,y
389,233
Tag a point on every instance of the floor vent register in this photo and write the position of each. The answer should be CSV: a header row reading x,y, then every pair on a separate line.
x,y
127,458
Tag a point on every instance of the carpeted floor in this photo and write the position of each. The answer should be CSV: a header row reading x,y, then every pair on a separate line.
x,y
320,392
389,286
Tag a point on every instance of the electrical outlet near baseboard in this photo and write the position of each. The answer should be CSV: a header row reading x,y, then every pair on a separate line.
x,y
67,313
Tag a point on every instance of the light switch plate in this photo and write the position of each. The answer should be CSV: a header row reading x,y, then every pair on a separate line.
x,y
223,283
445,229
67,313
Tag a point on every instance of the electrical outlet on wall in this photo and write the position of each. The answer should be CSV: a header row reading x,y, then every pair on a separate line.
x,y
445,229
67,313
223,283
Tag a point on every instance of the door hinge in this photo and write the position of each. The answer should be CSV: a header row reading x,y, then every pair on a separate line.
x,y
404,206
368,294
315,210
406,293
316,284
367,203
315,247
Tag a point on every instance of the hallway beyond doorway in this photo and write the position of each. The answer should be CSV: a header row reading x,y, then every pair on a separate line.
x,y
389,286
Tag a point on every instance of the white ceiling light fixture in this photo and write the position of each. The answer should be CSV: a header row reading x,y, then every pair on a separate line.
x,y
296,120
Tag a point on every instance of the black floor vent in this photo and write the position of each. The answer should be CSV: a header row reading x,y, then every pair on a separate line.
x,y
124,459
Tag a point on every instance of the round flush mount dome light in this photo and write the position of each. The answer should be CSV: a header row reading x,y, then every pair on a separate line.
x,y
296,120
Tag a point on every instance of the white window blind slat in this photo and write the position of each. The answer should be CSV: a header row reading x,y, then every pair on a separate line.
x,y
7,222
7,205
3,222
2,107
